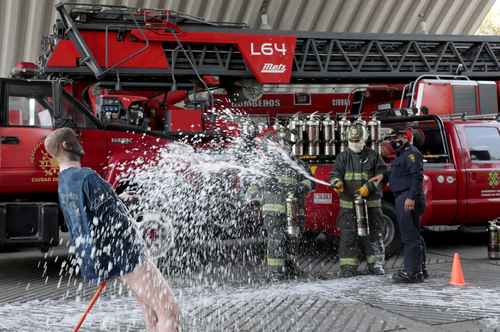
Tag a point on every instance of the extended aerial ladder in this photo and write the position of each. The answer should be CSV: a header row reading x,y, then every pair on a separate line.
x,y
138,44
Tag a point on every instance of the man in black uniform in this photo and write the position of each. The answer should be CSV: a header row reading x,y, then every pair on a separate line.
x,y
405,180
353,168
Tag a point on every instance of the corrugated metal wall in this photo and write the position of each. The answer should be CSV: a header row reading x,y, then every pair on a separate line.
x,y
23,22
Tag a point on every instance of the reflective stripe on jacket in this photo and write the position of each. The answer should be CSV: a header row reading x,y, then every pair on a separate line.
x,y
355,169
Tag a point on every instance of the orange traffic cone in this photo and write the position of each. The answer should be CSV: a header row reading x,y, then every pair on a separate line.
x,y
457,274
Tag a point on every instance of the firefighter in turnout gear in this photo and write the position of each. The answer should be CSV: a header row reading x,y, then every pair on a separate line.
x,y
283,210
353,168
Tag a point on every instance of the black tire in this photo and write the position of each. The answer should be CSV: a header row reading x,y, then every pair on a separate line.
x,y
391,235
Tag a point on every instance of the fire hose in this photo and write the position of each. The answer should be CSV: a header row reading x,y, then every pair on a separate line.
x,y
94,299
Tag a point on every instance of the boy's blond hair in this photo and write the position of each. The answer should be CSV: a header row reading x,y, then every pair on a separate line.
x,y
66,141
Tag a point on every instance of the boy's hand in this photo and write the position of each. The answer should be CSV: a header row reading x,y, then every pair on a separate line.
x,y
128,196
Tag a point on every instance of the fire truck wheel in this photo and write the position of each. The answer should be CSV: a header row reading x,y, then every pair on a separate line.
x,y
391,237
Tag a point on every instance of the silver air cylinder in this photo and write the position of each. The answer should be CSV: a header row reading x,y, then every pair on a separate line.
x,y
374,128
361,214
292,227
494,240
281,132
343,126
329,136
296,129
313,135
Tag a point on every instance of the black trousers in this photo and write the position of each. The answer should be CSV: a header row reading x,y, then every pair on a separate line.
x,y
409,227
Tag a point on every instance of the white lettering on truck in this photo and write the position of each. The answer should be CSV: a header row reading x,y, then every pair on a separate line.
x,y
272,68
267,48
258,103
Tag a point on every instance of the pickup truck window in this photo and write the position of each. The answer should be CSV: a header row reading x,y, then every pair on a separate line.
x,y
483,143
429,140
73,116
29,106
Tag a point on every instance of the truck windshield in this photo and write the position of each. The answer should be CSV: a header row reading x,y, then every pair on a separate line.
x,y
73,115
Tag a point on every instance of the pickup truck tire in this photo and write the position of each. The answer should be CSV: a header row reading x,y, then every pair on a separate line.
x,y
391,236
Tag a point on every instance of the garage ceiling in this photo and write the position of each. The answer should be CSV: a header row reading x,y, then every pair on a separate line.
x,y
24,22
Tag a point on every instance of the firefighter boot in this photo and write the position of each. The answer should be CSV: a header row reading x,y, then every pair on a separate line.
x,y
275,274
347,271
376,269
292,269
401,277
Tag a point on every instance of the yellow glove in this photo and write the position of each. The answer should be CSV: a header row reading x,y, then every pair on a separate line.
x,y
363,191
338,186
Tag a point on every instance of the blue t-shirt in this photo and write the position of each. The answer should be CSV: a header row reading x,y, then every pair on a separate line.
x,y
103,238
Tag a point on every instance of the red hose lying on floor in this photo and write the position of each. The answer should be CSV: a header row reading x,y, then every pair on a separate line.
x,y
89,307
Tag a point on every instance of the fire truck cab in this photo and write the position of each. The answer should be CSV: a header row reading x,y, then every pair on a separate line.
x,y
29,111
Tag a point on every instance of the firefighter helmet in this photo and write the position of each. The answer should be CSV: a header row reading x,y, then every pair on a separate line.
x,y
356,133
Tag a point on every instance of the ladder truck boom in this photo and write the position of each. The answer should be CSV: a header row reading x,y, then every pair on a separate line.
x,y
105,41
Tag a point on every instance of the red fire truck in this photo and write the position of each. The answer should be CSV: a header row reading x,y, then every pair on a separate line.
x,y
130,80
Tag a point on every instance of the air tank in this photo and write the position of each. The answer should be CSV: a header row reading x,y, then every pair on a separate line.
x,y
344,124
296,129
292,228
361,215
374,129
329,135
313,135
494,240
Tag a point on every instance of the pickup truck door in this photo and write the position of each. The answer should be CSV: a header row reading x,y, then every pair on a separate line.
x,y
443,179
441,170
26,118
481,143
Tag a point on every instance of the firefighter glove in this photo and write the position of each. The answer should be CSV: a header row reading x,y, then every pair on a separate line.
x,y
338,185
363,191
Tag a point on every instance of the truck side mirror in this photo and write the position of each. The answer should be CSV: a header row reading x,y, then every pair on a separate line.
x,y
480,153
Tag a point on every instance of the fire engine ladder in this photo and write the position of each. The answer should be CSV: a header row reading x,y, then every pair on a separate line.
x,y
319,57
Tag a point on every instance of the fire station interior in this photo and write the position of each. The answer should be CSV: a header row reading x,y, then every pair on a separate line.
x,y
190,102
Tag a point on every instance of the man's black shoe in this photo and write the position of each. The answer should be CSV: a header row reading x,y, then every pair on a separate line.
x,y
425,273
405,278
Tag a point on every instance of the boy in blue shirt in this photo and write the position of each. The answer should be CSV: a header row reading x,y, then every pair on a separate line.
x,y
103,238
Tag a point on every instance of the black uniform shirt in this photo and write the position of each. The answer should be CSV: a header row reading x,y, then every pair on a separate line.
x,y
407,172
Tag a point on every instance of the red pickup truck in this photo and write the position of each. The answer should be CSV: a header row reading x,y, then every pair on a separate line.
x,y
462,176
462,164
